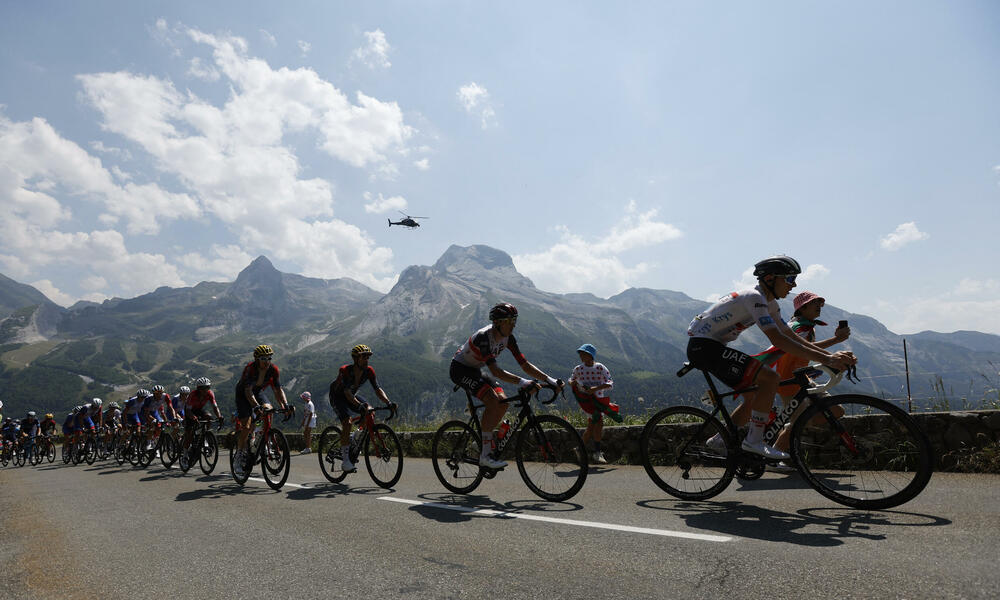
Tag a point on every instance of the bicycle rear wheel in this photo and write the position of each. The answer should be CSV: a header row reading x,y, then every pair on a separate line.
x,y
209,456
328,453
874,457
248,462
168,450
384,456
678,457
50,451
551,458
455,455
277,459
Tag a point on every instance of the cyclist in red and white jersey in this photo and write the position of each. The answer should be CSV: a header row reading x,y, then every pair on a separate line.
x,y
731,315
194,407
482,349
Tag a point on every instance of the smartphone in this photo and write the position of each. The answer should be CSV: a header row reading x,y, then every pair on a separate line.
x,y
842,324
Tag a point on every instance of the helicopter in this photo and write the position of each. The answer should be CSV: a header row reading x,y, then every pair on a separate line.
x,y
407,222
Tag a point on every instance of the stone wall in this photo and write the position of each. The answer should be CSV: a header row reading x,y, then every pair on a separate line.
x,y
949,432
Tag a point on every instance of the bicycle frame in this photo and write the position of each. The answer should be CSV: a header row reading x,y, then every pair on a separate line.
x,y
525,416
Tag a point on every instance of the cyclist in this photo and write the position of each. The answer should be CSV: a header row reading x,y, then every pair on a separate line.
x,y
67,428
112,421
132,415
29,429
194,407
344,398
9,432
85,418
258,374
48,425
482,349
721,323
156,410
178,400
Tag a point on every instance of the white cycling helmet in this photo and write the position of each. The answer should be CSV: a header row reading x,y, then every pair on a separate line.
x,y
97,402
185,389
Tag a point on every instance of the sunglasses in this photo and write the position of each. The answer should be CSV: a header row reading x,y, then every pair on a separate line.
x,y
790,279
265,358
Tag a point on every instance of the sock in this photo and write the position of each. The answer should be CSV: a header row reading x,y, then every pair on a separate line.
x,y
597,446
487,442
757,421
343,452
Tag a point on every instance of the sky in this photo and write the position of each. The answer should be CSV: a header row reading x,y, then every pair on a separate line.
x,y
667,145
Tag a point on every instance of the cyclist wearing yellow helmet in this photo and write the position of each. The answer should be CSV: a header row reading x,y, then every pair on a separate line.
x,y
49,424
258,374
344,398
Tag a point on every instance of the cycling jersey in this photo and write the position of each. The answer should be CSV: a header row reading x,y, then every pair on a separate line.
x,y
48,426
112,416
177,404
154,407
483,347
347,380
132,406
725,320
29,427
253,377
197,399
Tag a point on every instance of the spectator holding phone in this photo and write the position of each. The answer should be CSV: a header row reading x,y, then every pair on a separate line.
x,y
808,306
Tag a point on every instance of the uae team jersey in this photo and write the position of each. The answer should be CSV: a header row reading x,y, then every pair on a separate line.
x,y
482,348
725,320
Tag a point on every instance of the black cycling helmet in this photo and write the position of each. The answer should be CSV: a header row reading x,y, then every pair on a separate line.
x,y
504,310
777,265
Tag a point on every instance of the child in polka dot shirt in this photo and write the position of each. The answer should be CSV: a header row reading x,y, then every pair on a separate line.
x,y
591,384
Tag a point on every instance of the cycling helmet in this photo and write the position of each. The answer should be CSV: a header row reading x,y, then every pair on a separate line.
x,y
143,393
77,409
31,414
97,402
203,382
504,310
262,350
185,389
360,350
49,416
159,388
114,406
777,265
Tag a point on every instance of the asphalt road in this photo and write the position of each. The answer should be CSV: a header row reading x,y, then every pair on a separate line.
x,y
110,532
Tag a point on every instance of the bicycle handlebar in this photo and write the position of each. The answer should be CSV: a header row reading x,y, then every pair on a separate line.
x,y
835,377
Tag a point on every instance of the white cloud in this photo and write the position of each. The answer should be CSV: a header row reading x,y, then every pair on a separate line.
x,y
305,47
905,233
375,52
219,263
98,146
576,264
971,304
476,101
423,164
52,292
268,37
811,274
199,70
232,157
383,205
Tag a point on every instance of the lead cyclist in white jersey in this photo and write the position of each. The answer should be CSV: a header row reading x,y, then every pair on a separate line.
x,y
731,315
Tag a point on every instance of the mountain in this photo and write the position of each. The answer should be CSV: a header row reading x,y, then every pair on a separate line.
x,y
55,357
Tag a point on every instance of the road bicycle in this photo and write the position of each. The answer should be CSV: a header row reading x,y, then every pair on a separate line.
x,y
856,450
550,454
84,449
203,449
267,446
45,448
377,441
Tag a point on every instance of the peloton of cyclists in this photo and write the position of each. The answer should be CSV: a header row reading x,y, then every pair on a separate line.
x,y
482,349
85,416
344,398
721,323
258,374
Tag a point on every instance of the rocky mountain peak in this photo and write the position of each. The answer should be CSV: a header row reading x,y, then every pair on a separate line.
x,y
478,256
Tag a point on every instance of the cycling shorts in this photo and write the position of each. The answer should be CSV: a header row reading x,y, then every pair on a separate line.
x,y
67,430
192,415
733,368
342,406
471,379
132,419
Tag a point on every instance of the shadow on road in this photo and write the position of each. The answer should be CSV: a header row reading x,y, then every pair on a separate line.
x,y
466,504
807,527
222,490
325,489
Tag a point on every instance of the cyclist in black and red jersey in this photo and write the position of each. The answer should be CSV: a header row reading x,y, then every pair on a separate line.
x,y
194,407
344,398
258,374
482,349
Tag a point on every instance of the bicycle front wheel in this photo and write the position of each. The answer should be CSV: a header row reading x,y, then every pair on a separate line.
x,y
862,452
168,450
209,456
455,455
384,456
683,456
551,458
277,459
328,453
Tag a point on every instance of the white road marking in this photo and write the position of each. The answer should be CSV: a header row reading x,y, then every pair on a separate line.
x,y
294,485
514,515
